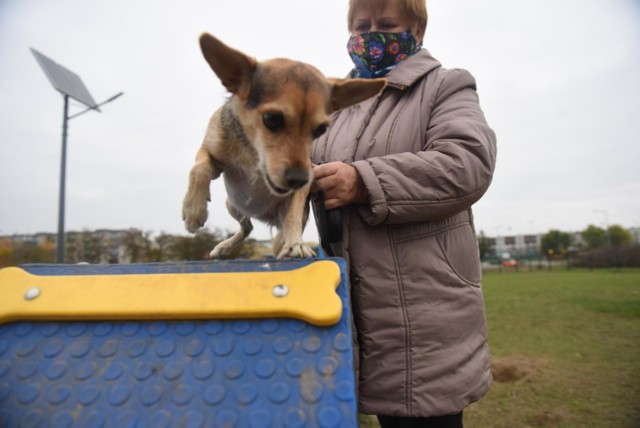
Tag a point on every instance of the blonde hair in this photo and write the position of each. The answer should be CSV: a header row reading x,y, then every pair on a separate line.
x,y
414,10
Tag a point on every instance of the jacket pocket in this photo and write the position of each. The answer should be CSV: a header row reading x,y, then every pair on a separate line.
x,y
445,252
460,249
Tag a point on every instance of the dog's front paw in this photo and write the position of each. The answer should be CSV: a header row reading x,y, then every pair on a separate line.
x,y
221,250
296,250
194,215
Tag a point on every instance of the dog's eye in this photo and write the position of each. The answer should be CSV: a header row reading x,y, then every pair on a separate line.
x,y
319,131
273,120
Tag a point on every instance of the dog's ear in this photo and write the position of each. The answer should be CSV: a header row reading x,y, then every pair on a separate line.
x,y
232,67
346,92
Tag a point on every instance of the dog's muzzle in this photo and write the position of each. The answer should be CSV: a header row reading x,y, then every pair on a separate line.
x,y
296,177
275,189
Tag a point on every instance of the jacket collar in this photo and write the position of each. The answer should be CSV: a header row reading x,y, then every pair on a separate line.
x,y
412,69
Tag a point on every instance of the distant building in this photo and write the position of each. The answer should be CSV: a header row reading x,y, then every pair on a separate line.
x,y
34,239
516,246
99,246
105,246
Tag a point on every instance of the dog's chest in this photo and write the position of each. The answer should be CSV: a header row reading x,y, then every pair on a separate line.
x,y
249,194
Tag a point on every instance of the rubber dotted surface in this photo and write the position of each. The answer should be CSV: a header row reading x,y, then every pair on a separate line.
x,y
233,373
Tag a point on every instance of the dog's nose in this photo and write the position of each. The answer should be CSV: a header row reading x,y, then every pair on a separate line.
x,y
296,177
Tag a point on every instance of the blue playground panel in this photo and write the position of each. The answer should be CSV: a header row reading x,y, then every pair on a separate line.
x,y
215,373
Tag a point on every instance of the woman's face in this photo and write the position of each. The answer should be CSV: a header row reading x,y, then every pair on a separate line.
x,y
389,19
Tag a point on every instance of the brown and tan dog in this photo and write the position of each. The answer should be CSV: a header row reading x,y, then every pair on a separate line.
x,y
261,140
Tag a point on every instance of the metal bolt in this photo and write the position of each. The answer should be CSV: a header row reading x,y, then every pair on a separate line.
x,y
32,293
280,290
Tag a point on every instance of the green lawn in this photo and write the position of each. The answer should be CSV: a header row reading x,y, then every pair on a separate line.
x,y
566,350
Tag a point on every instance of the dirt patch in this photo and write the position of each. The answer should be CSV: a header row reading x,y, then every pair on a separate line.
x,y
513,368
546,419
507,373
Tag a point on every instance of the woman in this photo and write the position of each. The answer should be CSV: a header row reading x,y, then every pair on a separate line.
x,y
405,167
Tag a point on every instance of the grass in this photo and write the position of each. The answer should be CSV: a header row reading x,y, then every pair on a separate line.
x,y
566,350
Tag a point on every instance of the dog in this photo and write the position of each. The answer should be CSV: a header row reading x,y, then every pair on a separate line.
x,y
260,140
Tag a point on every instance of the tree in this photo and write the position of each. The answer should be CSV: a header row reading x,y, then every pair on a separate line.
x,y
92,247
134,241
594,236
161,248
199,245
26,252
196,247
556,242
619,237
6,254
485,245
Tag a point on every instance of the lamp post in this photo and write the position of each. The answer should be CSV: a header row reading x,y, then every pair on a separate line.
x,y
69,85
606,225
60,242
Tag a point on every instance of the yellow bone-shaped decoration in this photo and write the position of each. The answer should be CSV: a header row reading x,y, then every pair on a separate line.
x,y
307,293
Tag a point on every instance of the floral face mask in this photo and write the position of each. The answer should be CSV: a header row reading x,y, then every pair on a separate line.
x,y
376,53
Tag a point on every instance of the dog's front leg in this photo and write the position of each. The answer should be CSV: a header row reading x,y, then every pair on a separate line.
x,y
225,247
194,206
288,242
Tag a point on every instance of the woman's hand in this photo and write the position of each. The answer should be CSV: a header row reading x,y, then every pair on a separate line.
x,y
340,183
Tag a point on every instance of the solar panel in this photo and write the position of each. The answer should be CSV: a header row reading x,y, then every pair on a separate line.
x,y
65,81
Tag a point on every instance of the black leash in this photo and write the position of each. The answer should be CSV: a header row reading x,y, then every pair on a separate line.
x,y
329,223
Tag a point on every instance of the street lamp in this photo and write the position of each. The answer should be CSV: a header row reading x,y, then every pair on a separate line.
x,y
606,225
69,85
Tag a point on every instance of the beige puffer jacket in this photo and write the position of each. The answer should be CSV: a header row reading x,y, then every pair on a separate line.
x,y
426,154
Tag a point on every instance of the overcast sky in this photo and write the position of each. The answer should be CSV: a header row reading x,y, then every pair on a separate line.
x,y
559,81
